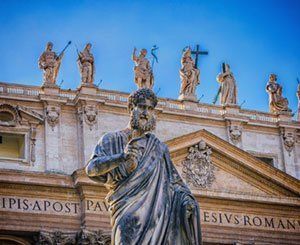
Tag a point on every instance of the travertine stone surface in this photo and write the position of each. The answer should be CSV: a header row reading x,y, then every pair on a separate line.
x,y
260,133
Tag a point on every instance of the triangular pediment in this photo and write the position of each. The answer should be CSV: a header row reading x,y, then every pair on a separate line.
x,y
235,172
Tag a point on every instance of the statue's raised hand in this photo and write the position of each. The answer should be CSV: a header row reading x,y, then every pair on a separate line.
x,y
131,152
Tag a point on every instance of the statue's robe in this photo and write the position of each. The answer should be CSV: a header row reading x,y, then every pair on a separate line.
x,y
228,89
277,102
150,204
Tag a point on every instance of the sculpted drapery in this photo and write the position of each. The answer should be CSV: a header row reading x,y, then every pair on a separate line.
x,y
277,103
149,203
228,87
189,76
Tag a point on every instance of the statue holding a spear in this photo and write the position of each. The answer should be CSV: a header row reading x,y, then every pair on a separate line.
x,y
50,62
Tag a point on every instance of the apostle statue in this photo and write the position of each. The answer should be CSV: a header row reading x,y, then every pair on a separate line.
x,y
50,62
277,103
86,65
228,89
189,75
143,75
149,203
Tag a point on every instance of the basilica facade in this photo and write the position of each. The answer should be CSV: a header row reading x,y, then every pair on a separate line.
x,y
243,166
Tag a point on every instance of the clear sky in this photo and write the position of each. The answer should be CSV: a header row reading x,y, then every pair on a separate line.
x,y
255,37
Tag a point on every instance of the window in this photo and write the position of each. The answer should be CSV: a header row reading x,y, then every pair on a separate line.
x,y
12,145
268,160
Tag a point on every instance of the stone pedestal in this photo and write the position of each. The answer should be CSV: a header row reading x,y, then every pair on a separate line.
x,y
232,109
50,89
190,97
285,117
90,89
190,105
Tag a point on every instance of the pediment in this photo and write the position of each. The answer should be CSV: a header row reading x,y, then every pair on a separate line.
x,y
235,172
11,116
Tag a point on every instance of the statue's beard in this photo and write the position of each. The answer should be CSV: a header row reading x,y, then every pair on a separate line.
x,y
137,122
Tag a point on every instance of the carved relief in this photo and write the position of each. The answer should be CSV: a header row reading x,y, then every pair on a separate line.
x,y
52,115
288,140
83,237
88,114
57,237
198,169
9,115
98,237
235,133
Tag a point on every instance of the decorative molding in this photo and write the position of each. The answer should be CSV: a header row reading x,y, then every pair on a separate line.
x,y
198,169
56,237
82,237
32,143
96,237
289,139
87,113
13,112
52,115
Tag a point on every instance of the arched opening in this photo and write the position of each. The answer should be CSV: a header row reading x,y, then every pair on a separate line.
x,y
12,240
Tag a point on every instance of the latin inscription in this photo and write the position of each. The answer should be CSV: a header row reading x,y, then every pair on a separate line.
x,y
250,221
49,206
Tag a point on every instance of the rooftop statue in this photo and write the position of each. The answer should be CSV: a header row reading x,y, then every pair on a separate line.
x,y
228,89
50,62
149,202
86,65
143,75
189,75
277,103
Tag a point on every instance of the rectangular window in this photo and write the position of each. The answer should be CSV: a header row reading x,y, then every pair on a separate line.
x,y
12,145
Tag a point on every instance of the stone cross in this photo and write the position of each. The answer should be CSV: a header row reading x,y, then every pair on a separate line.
x,y
197,52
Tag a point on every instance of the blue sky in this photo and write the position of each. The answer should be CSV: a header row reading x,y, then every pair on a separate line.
x,y
255,37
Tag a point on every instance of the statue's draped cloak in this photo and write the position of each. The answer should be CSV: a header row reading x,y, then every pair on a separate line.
x,y
148,205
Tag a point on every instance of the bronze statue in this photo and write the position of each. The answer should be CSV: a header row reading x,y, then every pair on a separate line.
x,y
149,202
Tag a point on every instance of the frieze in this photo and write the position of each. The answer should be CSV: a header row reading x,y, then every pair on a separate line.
x,y
250,221
50,206
99,207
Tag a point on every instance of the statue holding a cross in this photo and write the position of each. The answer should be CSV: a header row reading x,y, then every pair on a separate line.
x,y
189,74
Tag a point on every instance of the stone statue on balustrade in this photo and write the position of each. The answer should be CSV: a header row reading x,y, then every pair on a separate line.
x,y
227,89
189,75
86,65
149,202
277,103
143,75
50,62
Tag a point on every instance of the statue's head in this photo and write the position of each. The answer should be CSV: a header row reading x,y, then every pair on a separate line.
x,y
49,46
273,78
88,46
141,105
143,52
187,51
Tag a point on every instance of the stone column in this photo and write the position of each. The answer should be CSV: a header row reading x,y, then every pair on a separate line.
x,y
298,110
